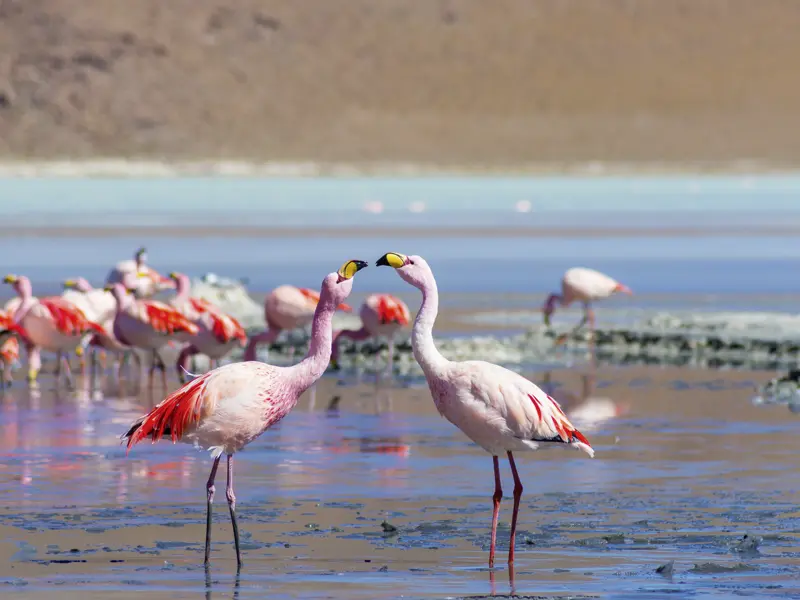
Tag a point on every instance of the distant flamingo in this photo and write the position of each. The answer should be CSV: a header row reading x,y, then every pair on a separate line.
x,y
286,308
381,315
138,277
101,306
149,325
582,285
219,332
9,347
229,407
50,323
498,409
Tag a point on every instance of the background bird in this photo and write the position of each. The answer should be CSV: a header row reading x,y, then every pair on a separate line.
x,y
498,409
138,277
228,407
285,308
218,334
582,285
381,315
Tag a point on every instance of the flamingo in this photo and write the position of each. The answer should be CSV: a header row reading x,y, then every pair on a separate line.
x,y
149,325
286,307
498,409
138,277
582,285
219,332
9,347
102,307
381,314
50,323
230,406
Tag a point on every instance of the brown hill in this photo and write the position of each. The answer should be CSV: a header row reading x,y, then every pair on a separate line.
x,y
464,82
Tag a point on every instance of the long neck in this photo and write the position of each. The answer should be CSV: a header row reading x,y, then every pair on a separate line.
x,y
551,301
311,368
182,289
425,351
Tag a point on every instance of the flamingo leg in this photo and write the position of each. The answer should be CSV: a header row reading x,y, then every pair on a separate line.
x,y
232,506
63,360
264,337
34,362
390,358
57,374
517,496
498,495
183,359
209,501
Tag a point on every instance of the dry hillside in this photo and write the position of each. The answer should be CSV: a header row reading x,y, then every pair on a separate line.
x,y
468,82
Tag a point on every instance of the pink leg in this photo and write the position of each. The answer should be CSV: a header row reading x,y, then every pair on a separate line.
x,y
264,337
209,501
67,369
517,496
498,495
353,334
34,362
232,506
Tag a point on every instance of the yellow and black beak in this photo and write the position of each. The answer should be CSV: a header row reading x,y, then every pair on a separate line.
x,y
108,288
174,275
350,268
392,259
70,284
10,279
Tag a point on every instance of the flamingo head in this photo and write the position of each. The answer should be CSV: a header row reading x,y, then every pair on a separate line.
x,y
412,269
141,256
549,308
20,283
623,289
118,291
336,287
79,284
179,280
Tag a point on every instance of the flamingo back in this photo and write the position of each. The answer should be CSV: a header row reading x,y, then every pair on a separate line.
x,y
224,327
586,285
68,319
165,319
392,310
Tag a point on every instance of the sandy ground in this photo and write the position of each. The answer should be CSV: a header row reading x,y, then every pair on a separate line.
x,y
453,83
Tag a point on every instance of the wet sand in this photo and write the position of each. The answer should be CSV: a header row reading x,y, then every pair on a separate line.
x,y
685,467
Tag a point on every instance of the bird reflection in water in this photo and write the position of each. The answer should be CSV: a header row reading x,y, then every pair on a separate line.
x,y
584,410
236,583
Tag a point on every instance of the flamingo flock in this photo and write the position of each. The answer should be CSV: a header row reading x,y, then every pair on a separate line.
x,y
230,406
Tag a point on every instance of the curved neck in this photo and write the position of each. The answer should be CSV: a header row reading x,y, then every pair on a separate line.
x,y
551,302
311,368
425,351
182,288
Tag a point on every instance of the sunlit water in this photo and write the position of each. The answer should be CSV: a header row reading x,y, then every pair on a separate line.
x,y
685,467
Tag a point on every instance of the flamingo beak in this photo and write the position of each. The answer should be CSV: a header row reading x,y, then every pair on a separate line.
x,y
70,284
350,268
392,259
10,279
546,317
623,289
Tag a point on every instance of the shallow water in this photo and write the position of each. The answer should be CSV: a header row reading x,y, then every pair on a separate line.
x,y
685,467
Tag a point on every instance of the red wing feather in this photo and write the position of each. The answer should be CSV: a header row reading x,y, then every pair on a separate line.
x,y
167,320
68,318
225,327
172,415
390,310
314,297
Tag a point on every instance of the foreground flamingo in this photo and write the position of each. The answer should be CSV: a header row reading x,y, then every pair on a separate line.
x,y
582,285
381,314
219,333
149,325
229,407
286,308
498,409
138,277
50,323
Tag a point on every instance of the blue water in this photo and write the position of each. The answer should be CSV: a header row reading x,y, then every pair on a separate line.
x,y
448,201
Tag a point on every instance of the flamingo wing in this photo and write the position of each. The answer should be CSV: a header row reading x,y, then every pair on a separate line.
x,y
529,413
313,297
68,318
224,327
166,319
392,310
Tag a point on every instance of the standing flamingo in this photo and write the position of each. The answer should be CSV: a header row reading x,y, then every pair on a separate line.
x,y
9,346
149,325
285,308
138,277
219,332
50,323
582,285
498,409
229,407
381,314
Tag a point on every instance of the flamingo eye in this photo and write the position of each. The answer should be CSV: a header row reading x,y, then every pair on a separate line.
x,y
411,262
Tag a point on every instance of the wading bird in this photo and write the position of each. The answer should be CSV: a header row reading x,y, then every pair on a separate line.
x,y
149,325
585,286
285,308
229,407
138,277
498,409
218,334
381,315
50,323
9,345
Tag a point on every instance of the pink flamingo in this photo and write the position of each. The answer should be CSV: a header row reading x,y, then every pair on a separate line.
x,y
219,332
381,314
287,307
138,277
149,325
229,407
9,347
498,409
50,323
586,286
102,307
